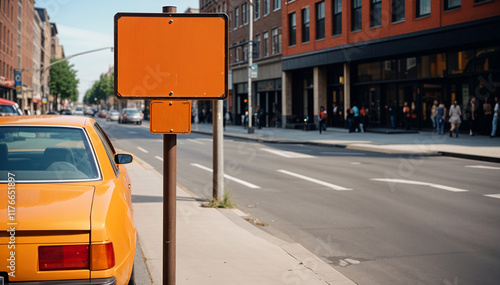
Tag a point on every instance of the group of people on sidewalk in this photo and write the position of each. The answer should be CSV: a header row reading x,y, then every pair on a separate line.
x,y
477,117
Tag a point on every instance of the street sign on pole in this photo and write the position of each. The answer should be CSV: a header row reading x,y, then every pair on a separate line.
x,y
18,81
170,117
169,55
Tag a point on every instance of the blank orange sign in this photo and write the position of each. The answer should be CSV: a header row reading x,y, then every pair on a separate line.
x,y
171,56
170,117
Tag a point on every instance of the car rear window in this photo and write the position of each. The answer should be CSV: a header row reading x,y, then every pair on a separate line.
x,y
60,154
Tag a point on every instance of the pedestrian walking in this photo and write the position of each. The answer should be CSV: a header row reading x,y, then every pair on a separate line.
x,y
455,120
357,118
487,117
322,119
472,114
406,115
392,115
496,116
434,115
350,119
440,118
365,112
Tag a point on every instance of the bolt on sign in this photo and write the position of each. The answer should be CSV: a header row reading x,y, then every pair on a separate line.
x,y
171,56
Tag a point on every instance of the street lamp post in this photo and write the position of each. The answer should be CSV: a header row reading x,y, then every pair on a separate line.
x,y
250,62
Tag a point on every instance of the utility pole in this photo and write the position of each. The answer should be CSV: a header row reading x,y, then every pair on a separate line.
x,y
218,150
250,62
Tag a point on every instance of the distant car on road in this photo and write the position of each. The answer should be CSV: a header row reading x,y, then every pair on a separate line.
x,y
51,112
113,115
103,113
78,111
73,203
67,112
88,111
9,108
130,115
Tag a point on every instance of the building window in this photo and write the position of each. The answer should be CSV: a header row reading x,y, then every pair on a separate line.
x,y
245,53
305,24
236,17
376,13
266,43
276,41
356,15
277,4
423,7
452,4
266,7
256,9
244,14
481,1
398,10
292,37
337,17
320,20
256,47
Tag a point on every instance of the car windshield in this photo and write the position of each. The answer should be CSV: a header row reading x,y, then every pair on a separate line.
x,y
8,110
60,154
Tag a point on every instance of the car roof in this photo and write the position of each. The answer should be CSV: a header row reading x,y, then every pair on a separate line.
x,y
6,102
47,120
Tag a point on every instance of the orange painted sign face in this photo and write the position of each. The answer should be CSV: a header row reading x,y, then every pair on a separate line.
x,y
171,56
170,117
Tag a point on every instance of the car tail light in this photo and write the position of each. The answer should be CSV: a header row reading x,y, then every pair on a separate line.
x,y
103,256
124,115
63,257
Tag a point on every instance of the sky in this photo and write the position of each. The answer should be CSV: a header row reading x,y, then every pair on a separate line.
x,y
85,25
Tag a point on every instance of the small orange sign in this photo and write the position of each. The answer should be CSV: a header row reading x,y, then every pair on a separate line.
x,y
171,56
170,117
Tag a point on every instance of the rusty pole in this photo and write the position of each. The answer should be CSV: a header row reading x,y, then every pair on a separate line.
x,y
169,198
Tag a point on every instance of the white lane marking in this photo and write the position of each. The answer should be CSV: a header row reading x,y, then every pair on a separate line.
x,y
287,154
342,153
195,141
326,184
242,182
483,167
412,182
355,163
493,196
159,158
143,150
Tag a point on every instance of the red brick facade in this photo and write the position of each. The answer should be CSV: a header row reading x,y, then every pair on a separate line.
x,y
438,17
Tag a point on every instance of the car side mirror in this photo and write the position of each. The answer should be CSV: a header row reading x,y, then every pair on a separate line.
x,y
123,158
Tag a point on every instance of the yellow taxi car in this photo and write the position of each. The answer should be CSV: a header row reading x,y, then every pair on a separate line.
x,y
66,205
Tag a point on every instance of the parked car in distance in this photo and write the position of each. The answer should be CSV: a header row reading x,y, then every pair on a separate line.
x,y
73,204
103,113
9,108
67,112
130,115
113,115
88,111
78,111
51,112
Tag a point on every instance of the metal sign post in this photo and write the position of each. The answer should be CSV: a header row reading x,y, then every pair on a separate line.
x,y
169,57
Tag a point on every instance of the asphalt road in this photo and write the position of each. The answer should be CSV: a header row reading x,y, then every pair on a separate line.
x,y
376,218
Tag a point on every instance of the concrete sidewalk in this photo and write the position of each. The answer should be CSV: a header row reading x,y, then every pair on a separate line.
x,y
216,246
481,148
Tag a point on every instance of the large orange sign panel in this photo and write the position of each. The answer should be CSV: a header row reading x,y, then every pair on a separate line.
x,y
171,56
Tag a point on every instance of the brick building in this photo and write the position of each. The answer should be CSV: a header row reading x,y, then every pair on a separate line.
x,y
383,53
8,48
266,88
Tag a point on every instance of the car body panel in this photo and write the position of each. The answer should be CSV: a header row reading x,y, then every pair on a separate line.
x,y
113,115
130,115
94,211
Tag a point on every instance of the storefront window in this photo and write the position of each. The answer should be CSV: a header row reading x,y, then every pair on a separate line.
x,y
432,65
408,67
390,69
369,71
460,62
487,59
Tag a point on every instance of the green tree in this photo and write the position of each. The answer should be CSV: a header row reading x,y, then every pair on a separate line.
x,y
63,82
100,90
